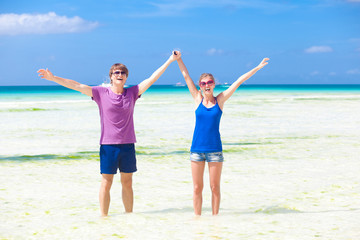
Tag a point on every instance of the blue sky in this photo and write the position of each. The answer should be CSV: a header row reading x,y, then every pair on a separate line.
x,y
308,42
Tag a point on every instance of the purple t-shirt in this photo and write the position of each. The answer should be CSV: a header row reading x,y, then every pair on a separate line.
x,y
116,114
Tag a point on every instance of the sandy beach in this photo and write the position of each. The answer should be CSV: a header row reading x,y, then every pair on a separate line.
x,y
291,171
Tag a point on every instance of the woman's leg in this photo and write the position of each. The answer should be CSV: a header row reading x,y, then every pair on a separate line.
x,y
127,191
104,195
197,169
215,175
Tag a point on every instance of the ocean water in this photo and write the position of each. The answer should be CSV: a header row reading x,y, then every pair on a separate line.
x,y
291,171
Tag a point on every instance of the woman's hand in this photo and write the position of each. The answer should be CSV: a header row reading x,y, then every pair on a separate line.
x,y
263,63
176,55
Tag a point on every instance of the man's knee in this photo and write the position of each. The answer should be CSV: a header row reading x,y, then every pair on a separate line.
x,y
126,180
107,181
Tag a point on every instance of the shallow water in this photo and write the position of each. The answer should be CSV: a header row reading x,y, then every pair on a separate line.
x,y
291,168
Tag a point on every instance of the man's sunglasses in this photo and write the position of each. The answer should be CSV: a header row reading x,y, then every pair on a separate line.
x,y
119,73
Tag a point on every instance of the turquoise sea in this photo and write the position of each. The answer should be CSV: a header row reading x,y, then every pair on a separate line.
x,y
10,90
291,170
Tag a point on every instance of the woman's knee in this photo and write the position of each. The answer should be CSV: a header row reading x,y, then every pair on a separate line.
x,y
215,189
198,188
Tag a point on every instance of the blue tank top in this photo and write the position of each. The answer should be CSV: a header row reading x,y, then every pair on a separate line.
x,y
206,136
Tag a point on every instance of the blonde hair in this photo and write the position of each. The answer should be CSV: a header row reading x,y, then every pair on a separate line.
x,y
204,75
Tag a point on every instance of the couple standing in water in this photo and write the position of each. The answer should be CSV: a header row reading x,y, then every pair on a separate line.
x,y
117,142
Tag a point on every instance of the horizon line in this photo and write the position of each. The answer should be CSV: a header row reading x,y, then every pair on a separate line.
x,y
184,85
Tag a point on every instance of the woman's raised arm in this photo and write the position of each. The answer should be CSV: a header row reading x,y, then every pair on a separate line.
x,y
225,95
195,93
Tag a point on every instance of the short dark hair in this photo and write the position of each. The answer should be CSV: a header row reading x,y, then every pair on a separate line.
x,y
118,66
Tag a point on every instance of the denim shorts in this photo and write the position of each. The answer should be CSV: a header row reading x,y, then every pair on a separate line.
x,y
208,157
117,156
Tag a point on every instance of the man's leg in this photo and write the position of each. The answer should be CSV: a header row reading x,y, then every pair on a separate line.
x,y
127,191
104,195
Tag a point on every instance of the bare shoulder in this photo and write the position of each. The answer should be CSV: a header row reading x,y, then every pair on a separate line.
x,y
86,89
198,97
220,97
220,100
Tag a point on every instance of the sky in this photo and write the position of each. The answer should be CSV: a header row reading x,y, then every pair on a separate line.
x,y
307,41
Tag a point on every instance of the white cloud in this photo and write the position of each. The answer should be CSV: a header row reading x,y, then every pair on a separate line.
x,y
314,73
353,71
49,23
170,8
356,40
214,51
318,49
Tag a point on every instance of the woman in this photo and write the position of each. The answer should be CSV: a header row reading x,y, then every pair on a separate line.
x,y
116,107
206,143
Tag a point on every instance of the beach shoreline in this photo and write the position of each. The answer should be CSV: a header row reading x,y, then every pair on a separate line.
x,y
290,172
60,199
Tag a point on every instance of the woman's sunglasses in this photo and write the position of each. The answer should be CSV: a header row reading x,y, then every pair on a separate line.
x,y
203,84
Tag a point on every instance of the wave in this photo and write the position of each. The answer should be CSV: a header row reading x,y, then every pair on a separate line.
x,y
328,98
37,106
255,100
90,155
45,101
277,210
28,109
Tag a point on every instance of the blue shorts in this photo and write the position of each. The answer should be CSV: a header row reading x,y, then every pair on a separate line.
x,y
117,156
208,157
